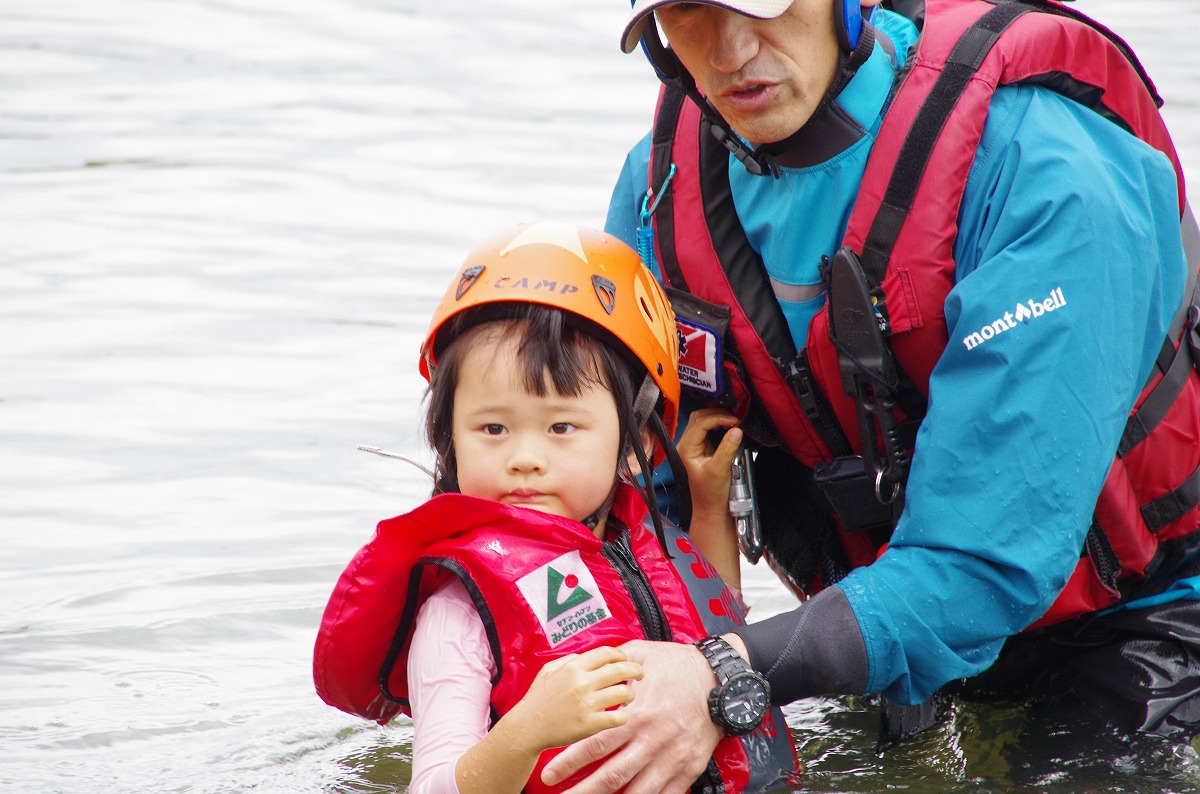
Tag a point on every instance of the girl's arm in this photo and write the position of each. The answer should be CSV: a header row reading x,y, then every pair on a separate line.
x,y
709,477
570,699
450,671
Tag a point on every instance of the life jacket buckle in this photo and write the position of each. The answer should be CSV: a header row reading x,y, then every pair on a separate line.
x,y
855,493
868,373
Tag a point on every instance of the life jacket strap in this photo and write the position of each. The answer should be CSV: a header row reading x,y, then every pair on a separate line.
x,y
1175,504
966,57
1162,397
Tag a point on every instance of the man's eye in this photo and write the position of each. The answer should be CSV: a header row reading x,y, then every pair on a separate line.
x,y
561,428
493,430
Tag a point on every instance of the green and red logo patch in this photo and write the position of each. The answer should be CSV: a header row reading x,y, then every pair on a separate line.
x,y
564,596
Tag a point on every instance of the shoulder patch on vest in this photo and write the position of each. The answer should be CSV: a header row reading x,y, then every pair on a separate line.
x,y
700,358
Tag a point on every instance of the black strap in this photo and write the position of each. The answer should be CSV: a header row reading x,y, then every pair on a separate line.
x,y
738,258
1160,400
741,263
660,165
752,285
960,67
1183,499
1173,505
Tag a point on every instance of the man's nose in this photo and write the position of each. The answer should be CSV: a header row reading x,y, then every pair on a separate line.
x,y
734,42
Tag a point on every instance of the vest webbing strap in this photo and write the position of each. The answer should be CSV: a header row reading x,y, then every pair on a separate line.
x,y
1173,505
737,257
660,165
739,260
741,263
1176,364
965,59
1160,400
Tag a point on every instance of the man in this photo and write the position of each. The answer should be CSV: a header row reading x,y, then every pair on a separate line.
x,y
1013,288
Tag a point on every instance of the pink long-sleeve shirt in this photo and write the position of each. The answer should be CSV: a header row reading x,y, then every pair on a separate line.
x,y
450,669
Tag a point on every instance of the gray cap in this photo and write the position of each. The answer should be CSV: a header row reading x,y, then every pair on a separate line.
x,y
642,9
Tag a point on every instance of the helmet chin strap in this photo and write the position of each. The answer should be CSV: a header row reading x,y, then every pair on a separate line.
x,y
601,512
672,72
644,403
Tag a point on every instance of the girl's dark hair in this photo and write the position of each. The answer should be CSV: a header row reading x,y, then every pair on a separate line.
x,y
549,351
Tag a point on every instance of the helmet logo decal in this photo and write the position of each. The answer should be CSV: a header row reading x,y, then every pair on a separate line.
x,y
541,285
468,278
606,291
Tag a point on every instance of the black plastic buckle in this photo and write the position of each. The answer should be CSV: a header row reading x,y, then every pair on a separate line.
x,y
851,485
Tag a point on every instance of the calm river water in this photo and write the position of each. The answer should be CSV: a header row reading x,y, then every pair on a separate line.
x,y
223,226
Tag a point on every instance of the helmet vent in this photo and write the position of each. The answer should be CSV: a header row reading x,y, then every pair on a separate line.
x,y
469,277
606,291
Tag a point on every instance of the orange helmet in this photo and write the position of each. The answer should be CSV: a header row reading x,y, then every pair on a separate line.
x,y
587,273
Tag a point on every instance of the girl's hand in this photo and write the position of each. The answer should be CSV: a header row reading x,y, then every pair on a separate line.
x,y
710,475
669,738
571,697
709,467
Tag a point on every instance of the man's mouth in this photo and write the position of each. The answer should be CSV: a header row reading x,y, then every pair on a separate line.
x,y
748,91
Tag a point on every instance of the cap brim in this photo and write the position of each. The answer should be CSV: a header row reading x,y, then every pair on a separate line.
x,y
642,9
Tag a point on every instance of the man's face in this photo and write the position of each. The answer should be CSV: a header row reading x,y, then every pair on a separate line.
x,y
765,76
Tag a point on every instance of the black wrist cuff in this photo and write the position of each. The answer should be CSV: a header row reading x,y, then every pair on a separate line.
x,y
816,649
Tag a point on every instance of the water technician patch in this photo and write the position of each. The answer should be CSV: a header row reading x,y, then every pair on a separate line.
x,y
699,357
564,596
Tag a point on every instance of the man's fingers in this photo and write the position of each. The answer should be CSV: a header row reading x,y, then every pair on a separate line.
x,y
583,753
612,775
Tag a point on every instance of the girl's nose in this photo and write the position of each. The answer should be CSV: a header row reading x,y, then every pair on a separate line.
x,y
526,457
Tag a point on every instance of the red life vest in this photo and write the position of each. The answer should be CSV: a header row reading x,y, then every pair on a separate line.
x,y
545,587
1152,492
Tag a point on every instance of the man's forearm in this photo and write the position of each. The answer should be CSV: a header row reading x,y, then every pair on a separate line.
x,y
816,649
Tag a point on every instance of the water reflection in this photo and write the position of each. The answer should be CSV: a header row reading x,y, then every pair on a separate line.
x,y
224,228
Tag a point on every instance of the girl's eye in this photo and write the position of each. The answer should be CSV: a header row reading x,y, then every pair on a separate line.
x,y
561,428
493,430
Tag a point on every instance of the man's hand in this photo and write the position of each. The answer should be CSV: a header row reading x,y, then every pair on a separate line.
x,y
646,754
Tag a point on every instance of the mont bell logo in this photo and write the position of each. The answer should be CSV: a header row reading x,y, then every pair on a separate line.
x,y
1022,315
564,596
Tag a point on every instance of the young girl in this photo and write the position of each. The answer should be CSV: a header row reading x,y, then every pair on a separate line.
x,y
551,363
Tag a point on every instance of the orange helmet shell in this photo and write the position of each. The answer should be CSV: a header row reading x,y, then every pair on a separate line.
x,y
588,273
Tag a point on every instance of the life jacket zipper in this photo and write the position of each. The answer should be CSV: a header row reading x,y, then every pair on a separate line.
x,y
619,552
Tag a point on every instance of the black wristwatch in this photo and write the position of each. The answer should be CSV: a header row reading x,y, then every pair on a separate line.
x,y
739,701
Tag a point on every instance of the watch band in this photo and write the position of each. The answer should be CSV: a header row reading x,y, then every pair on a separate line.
x,y
721,656
739,701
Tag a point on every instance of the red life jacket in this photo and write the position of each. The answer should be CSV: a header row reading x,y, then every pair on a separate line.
x,y
1151,496
545,587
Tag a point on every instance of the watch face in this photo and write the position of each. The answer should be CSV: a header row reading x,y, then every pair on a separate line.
x,y
744,701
